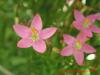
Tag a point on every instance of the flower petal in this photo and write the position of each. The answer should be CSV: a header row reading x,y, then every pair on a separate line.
x,y
88,49
22,31
95,29
78,16
82,37
79,57
24,43
98,16
48,32
77,25
87,32
92,17
37,22
67,51
39,46
68,39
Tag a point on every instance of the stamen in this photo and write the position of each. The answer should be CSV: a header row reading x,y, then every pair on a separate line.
x,y
78,44
86,22
34,35
34,30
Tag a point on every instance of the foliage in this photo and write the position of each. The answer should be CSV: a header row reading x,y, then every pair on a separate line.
x,y
28,62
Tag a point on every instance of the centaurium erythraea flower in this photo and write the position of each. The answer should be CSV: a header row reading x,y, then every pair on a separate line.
x,y
76,47
86,24
34,35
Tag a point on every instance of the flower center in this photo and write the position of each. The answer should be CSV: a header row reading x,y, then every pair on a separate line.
x,y
34,35
78,44
86,22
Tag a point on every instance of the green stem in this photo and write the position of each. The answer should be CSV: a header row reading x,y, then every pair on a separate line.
x,y
5,71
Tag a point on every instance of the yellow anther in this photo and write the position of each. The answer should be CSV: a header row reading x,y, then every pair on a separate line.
x,y
34,30
87,20
34,35
78,44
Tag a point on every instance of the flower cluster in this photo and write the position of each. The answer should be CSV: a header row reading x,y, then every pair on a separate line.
x,y
35,36
78,46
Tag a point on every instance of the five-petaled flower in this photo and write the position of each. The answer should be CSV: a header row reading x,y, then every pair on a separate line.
x,y
34,35
76,47
86,24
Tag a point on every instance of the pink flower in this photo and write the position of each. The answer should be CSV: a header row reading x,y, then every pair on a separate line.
x,y
86,24
34,35
76,47
98,16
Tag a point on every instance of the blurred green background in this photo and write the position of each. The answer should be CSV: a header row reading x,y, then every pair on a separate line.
x,y
58,13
